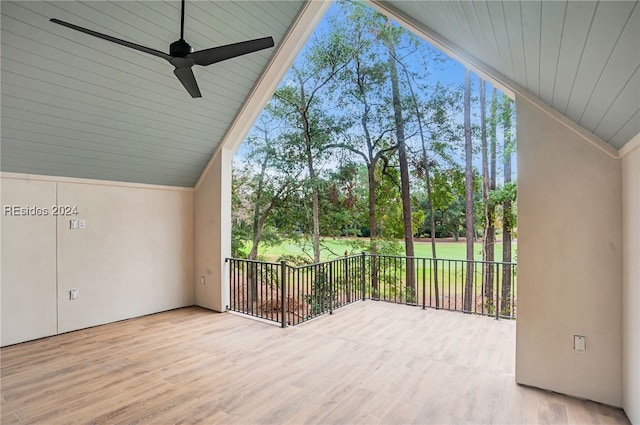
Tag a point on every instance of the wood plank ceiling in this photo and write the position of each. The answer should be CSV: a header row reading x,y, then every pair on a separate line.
x,y
580,57
77,106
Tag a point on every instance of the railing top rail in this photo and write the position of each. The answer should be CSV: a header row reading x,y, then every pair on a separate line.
x,y
501,263
443,259
322,263
246,260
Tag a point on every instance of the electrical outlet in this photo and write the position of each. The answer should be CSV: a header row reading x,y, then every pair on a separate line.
x,y
73,294
82,224
579,343
202,279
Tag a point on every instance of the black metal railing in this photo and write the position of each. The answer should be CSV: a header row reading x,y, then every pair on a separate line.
x,y
292,295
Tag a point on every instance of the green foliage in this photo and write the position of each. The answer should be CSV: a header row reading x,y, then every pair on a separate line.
x,y
294,260
332,119
321,297
507,192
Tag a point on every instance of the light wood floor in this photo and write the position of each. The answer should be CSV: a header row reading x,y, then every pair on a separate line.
x,y
369,363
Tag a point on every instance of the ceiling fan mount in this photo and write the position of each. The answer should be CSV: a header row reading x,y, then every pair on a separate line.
x,y
180,49
181,54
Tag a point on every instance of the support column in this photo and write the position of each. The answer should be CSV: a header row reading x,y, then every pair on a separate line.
x,y
212,228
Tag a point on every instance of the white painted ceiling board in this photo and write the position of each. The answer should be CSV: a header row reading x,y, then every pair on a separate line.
x,y
620,68
531,19
79,106
573,55
574,37
631,129
513,18
619,113
552,25
68,98
597,51
499,29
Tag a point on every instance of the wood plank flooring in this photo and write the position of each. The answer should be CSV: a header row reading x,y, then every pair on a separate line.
x,y
369,363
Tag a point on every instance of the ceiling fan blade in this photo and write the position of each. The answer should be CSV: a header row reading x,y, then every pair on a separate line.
x,y
113,39
188,80
218,54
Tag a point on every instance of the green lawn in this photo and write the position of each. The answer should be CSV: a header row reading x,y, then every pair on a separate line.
x,y
333,248
392,273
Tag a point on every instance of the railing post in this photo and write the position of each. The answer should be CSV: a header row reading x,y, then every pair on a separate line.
x,y
330,289
347,282
283,279
363,264
231,290
497,306
424,285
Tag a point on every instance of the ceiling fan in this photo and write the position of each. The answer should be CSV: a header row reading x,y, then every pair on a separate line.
x,y
181,54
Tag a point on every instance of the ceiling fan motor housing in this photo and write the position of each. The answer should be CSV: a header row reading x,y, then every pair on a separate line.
x,y
180,49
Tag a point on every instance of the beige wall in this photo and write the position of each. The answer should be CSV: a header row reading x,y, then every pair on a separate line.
x,y
569,260
135,256
28,264
213,232
631,284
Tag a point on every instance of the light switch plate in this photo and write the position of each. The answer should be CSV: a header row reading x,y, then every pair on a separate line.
x,y
73,224
579,343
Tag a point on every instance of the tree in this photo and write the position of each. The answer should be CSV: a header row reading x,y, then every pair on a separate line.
x,y
264,189
468,287
390,40
363,82
270,189
508,220
305,109
488,184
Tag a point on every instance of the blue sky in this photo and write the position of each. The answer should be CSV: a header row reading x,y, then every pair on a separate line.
x,y
448,73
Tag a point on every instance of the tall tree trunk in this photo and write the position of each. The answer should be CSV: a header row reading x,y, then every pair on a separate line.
x,y
256,228
468,291
490,211
404,175
252,278
315,209
432,224
371,174
373,228
506,211
487,242
427,178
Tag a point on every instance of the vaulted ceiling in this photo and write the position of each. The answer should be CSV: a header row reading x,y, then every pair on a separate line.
x,y
77,106
580,57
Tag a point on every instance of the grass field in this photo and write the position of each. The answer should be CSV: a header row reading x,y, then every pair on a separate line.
x,y
391,272
333,248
